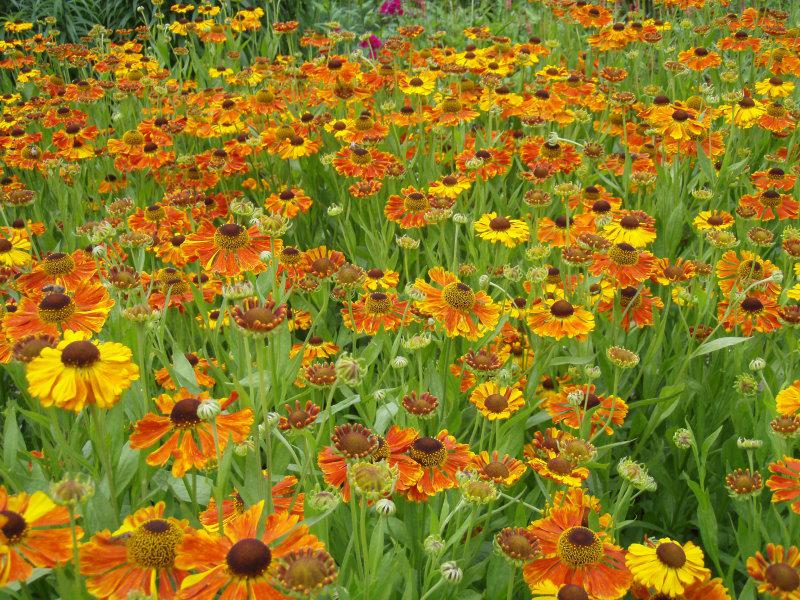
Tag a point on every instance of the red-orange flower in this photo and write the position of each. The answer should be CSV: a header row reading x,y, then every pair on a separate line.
x,y
34,533
180,424
229,249
785,482
241,564
85,309
573,553
459,309
138,557
375,311
441,459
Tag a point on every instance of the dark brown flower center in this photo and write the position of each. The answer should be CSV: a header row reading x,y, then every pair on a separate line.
x,y
572,592
14,527
559,465
496,403
80,354
496,470
184,414
248,558
680,115
428,452
671,554
783,577
752,305
500,224
562,309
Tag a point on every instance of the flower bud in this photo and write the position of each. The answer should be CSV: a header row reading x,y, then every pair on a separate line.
x,y
245,447
749,444
72,490
433,545
323,501
385,507
682,438
208,410
399,362
451,572
350,370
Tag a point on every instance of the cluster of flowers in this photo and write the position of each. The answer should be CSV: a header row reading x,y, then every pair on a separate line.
x,y
251,166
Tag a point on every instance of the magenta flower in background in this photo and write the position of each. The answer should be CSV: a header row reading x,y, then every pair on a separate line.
x,y
392,7
373,43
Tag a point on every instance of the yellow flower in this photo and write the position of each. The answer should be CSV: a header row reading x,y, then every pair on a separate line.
x,y
787,402
421,84
509,232
745,113
15,251
79,372
631,227
220,72
495,402
775,87
449,186
666,566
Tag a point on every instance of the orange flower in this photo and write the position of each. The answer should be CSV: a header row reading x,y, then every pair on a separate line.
x,y
740,273
770,204
393,448
199,366
321,262
785,482
560,319
777,573
374,312
635,306
459,309
623,264
504,470
604,411
365,163
289,203
408,210
284,499
171,250
495,402
59,268
84,310
699,59
350,441
242,563
575,554
34,533
179,423
563,231
757,312
155,217
314,348
138,557
787,402
441,459
553,465
229,249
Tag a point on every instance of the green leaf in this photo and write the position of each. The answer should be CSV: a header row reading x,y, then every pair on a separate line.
x,y
384,416
719,344
184,372
572,360
126,466
11,437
